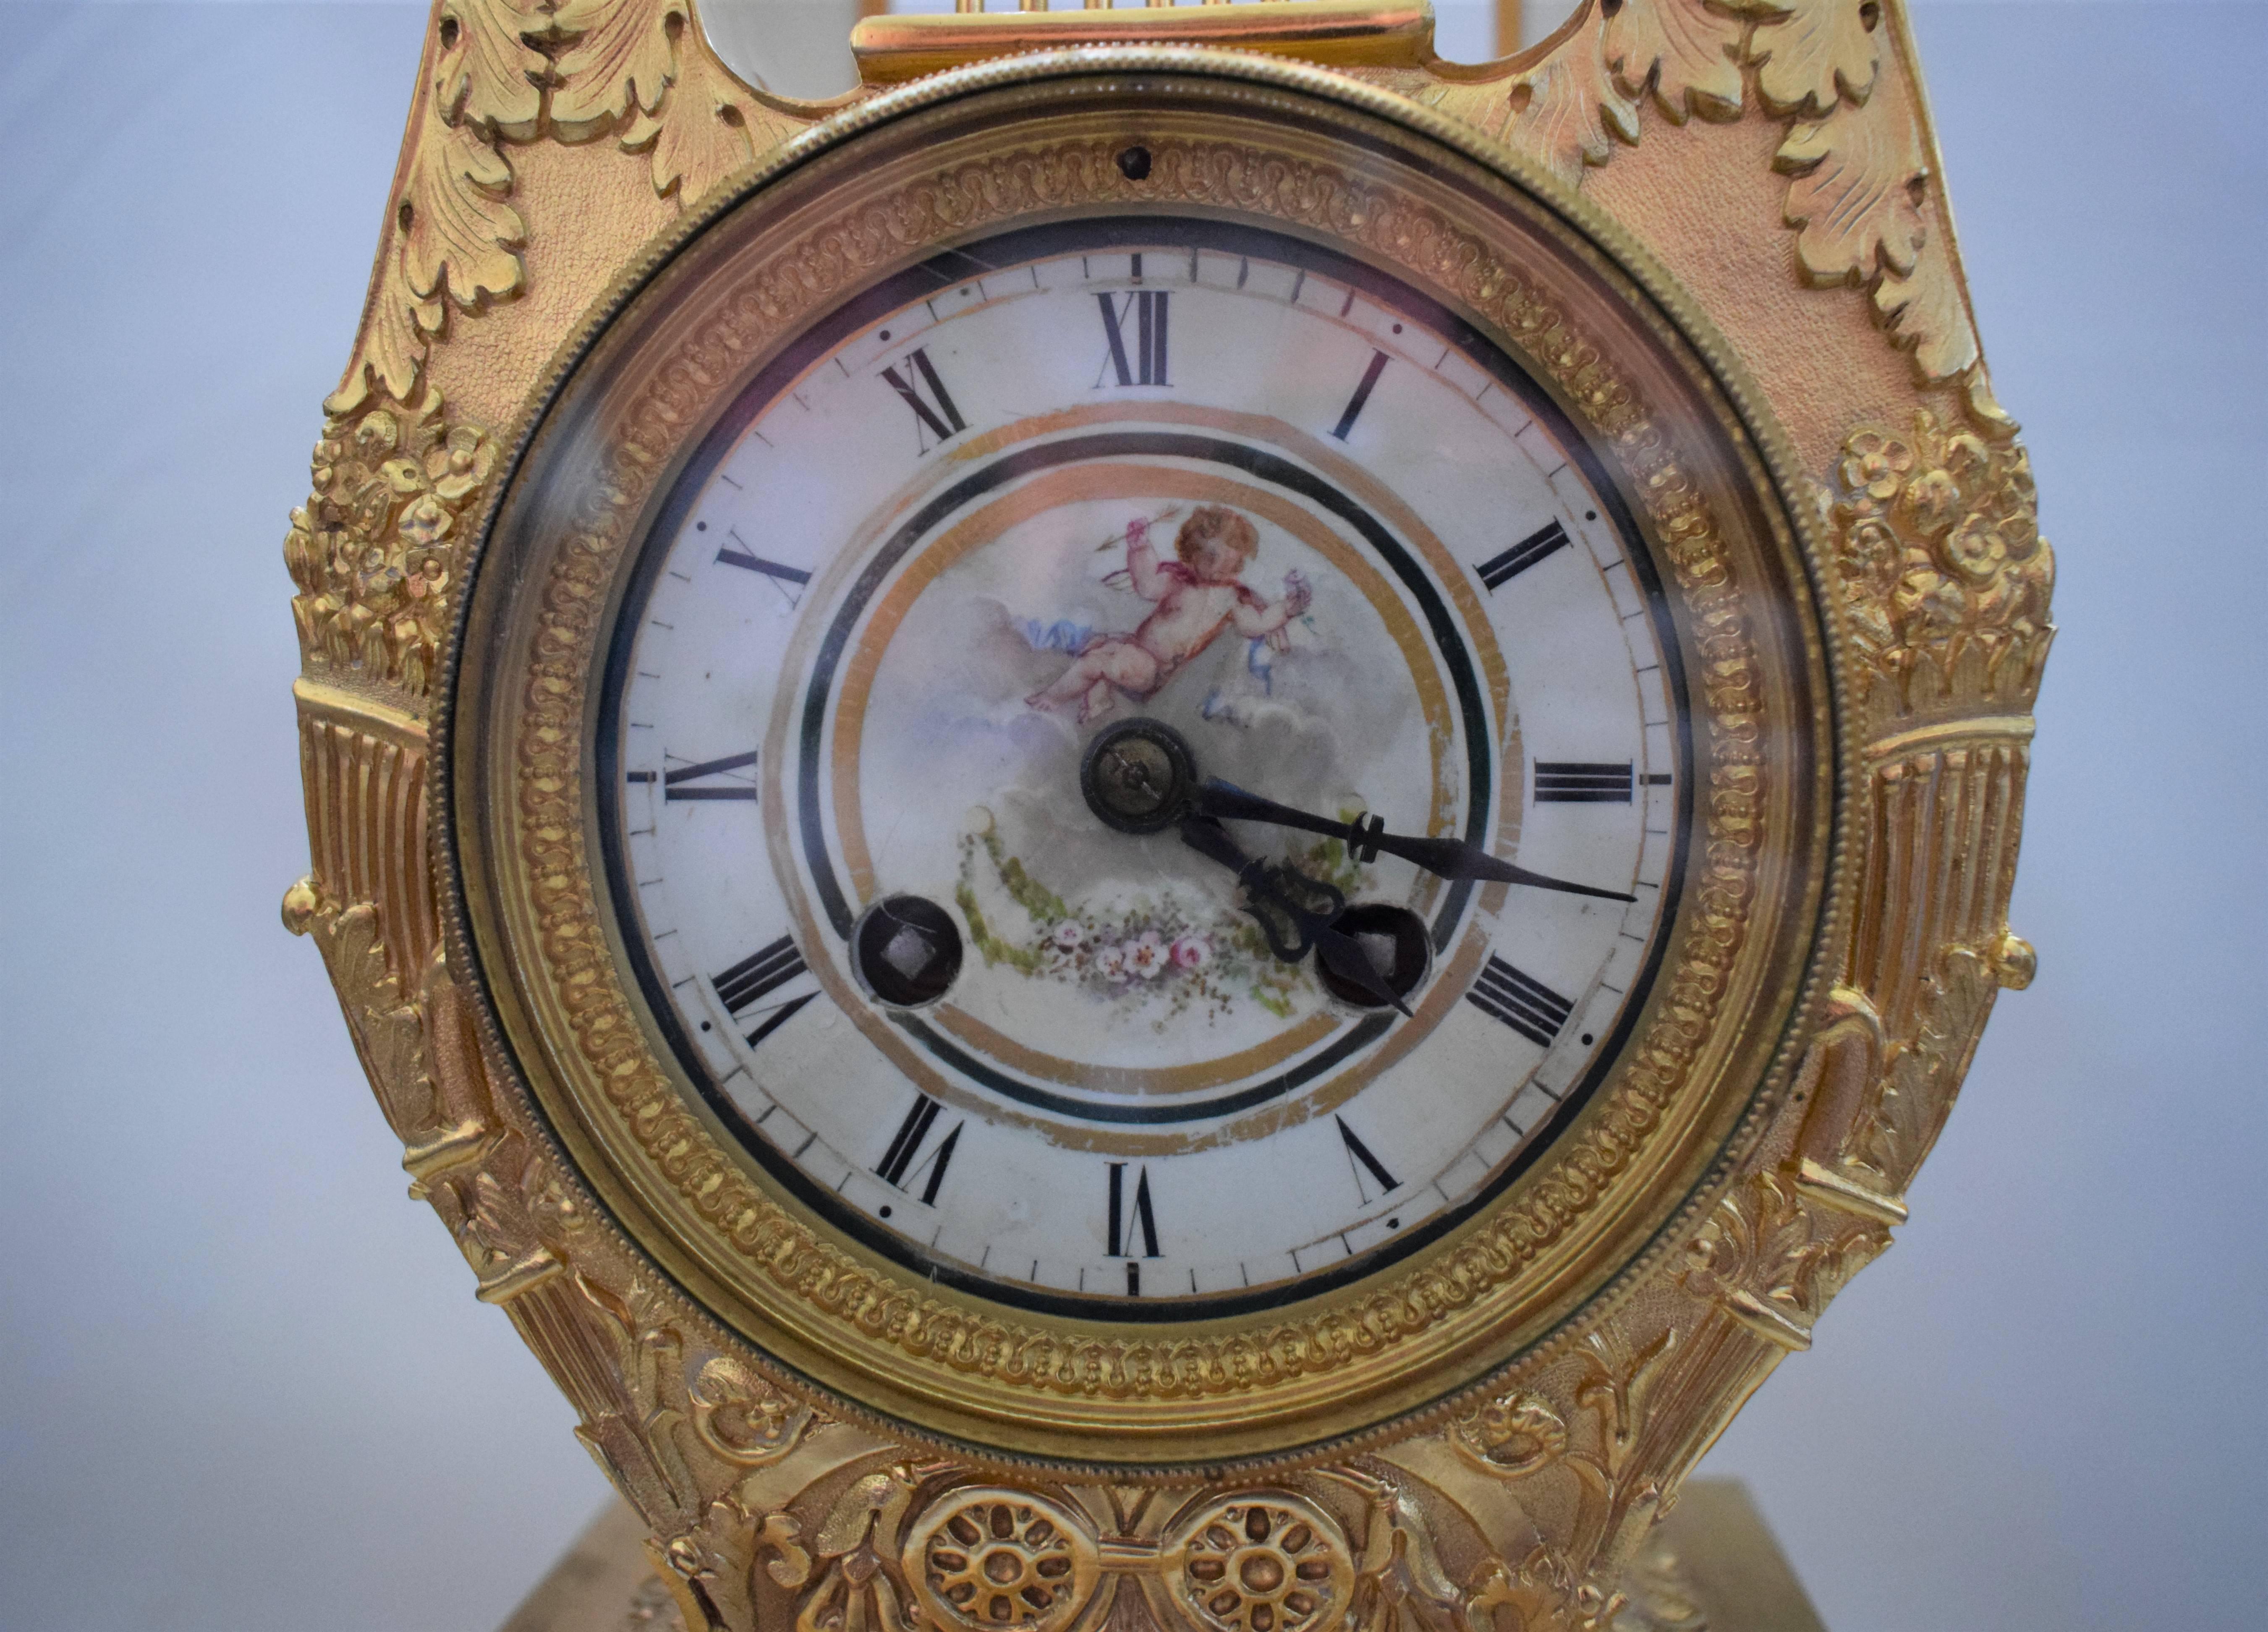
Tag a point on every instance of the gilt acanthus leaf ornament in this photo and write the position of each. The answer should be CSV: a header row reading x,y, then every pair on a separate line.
x,y
620,64
1854,198
459,240
1926,311
1681,53
489,75
1816,53
507,75
1765,1256
712,130
1568,111
1858,192
451,236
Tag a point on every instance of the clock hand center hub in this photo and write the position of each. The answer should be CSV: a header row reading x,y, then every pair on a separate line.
x,y
1138,777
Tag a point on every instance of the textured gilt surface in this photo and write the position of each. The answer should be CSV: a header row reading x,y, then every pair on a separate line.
x,y
1778,158
1710,1566
1836,80
1239,1387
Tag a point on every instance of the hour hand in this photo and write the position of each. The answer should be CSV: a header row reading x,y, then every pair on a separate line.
x,y
1366,837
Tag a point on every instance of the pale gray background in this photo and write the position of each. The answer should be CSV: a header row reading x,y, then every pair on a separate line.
x,y
244,1384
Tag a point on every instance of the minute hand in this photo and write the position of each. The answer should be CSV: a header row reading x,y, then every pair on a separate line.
x,y
1365,838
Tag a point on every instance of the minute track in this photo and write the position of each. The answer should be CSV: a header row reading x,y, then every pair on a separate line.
x,y
965,1058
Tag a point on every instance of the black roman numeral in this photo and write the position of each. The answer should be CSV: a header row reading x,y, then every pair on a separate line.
x,y
685,781
786,579
943,419
741,987
1503,569
1123,1226
1521,1002
759,972
1361,395
1359,1157
898,1163
1146,366
1582,782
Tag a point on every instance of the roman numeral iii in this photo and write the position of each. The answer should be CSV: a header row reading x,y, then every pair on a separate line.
x,y
1520,1001
1500,569
1582,782
742,988
1146,364
899,1162
936,411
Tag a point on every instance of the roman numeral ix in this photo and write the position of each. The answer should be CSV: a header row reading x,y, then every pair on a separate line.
x,y
1520,1001
1146,364
936,411
1582,782
898,1163
1499,569
692,782
744,986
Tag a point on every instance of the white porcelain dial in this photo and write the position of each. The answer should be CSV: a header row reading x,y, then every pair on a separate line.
x,y
1178,470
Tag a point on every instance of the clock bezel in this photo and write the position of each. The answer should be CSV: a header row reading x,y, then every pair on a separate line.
x,y
1403,1381
1100,233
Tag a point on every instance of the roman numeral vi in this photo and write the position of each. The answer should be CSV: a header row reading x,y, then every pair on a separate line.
x,y
1124,1224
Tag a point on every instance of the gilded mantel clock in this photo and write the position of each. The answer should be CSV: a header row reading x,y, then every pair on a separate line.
x,y
1183,822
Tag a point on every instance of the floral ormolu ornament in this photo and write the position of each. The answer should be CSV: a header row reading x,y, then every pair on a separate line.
x,y
1143,756
374,549
1941,558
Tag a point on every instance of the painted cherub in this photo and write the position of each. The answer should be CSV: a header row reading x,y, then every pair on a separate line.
x,y
1198,596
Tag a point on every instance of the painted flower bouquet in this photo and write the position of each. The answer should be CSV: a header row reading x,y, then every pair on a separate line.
x,y
1155,951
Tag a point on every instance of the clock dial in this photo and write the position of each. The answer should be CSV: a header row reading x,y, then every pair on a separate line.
x,y
1111,732
1340,548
